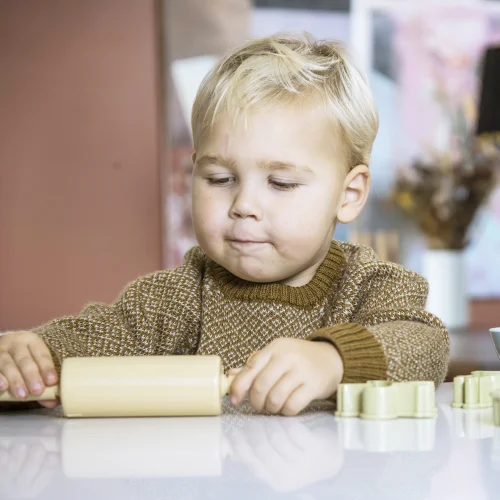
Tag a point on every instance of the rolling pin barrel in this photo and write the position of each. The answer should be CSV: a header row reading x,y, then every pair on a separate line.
x,y
144,386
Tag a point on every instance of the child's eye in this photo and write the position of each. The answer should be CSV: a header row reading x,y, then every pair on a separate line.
x,y
219,181
285,186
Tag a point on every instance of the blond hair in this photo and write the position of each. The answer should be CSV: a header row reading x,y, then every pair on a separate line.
x,y
281,69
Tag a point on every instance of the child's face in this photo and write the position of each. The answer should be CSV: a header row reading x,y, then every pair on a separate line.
x,y
266,196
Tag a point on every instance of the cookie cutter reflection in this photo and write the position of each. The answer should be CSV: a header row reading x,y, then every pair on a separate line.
x,y
385,436
495,450
479,424
473,424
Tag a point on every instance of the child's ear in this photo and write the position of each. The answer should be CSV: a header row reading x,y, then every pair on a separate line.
x,y
354,194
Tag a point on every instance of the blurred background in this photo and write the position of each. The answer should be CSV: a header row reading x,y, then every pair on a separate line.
x,y
95,144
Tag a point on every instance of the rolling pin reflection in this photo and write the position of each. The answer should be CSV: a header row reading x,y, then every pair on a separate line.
x,y
139,386
178,447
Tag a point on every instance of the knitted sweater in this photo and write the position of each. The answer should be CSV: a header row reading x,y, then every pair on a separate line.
x,y
372,311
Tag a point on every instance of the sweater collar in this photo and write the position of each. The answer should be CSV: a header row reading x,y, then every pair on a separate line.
x,y
328,273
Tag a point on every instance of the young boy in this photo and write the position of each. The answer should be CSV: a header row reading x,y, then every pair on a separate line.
x,y
283,129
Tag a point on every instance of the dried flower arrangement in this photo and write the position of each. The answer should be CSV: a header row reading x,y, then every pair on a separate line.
x,y
444,192
443,197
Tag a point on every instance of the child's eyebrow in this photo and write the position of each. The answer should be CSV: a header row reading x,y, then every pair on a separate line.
x,y
215,160
284,165
206,160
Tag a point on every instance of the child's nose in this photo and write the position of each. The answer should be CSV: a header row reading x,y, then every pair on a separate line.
x,y
245,205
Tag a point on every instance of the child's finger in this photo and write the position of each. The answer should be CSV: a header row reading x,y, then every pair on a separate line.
x,y
279,393
49,404
4,385
14,378
297,401
244,379
235,371
249,360
29,369
43,359
267,378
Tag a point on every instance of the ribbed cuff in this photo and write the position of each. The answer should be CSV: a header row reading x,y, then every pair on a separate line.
x,y
360,351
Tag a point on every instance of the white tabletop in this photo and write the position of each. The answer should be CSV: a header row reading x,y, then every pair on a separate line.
x,y
243,456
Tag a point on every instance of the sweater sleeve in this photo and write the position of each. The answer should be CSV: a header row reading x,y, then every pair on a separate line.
x,y
383,331
157,314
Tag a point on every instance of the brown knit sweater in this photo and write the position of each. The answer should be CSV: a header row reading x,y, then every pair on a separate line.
x,y
371,310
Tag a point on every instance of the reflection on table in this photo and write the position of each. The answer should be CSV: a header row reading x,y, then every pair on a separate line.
x,y
240,454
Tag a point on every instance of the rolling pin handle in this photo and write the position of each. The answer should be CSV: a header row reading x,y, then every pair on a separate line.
x,y
48,394
225,384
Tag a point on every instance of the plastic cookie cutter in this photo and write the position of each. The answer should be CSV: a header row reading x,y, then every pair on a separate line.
x,y
385,400
475,390
495,396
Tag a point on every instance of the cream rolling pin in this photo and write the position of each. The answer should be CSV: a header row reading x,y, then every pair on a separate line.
x,y
138,386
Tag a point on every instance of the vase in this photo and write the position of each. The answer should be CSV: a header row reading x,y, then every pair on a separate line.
x,y
446,274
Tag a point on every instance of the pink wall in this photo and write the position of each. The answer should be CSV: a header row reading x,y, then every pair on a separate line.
x,y
79,154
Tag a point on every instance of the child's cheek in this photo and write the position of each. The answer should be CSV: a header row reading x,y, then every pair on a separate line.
x,y
211,217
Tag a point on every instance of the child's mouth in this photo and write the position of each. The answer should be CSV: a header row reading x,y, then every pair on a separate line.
x,y
246,243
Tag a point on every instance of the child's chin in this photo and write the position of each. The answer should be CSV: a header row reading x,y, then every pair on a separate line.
x,y
255,274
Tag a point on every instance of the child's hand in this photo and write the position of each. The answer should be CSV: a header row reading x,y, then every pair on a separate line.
x,y
287,375
26,366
